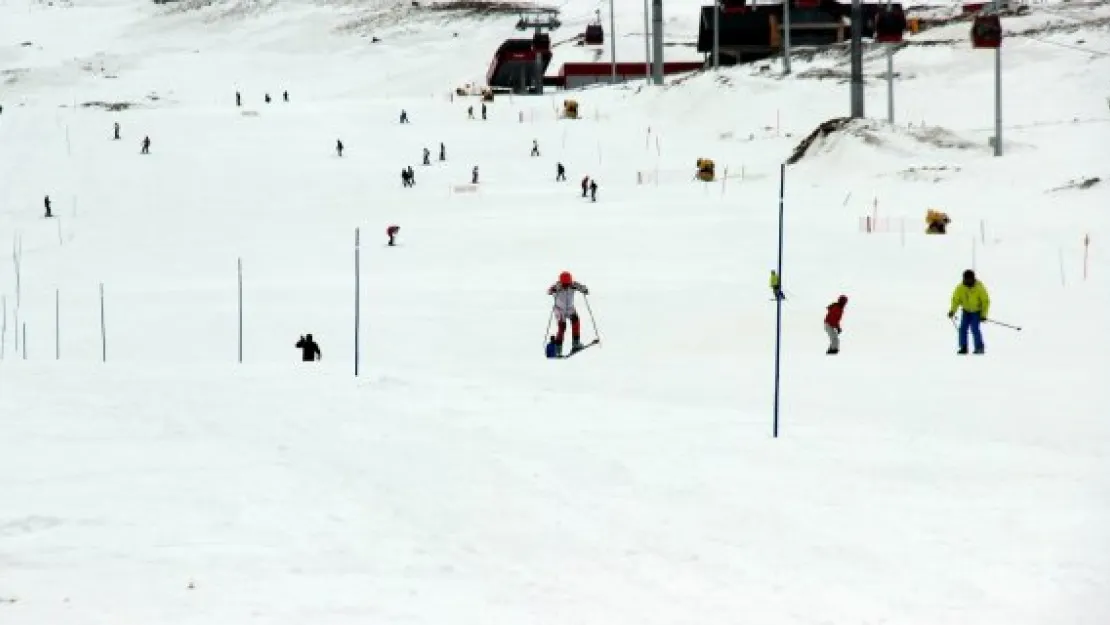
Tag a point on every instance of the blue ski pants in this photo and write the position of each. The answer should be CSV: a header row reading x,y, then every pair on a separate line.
x,y
969,323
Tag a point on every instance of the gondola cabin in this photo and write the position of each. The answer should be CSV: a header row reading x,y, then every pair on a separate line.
x,y
890,24
986,32
595,35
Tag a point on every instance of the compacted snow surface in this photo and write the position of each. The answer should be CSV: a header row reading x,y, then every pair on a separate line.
x,y
462,478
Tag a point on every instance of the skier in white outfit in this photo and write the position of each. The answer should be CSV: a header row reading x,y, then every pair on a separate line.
x,y
563,291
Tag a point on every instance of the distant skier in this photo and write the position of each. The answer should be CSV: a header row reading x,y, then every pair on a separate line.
x,y
560,172
835,311
593,190
552,350
470,112
427,156
339,147
474,175
483,110
585,185
412,176
776,285
442,151
267,98
115,131
971,296
238,99
563,293
146,146
391,232
285,96
405,177
535,147
404,116
310,350
46,203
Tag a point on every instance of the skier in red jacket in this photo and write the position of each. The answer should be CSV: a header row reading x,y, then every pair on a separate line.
x,y
834,312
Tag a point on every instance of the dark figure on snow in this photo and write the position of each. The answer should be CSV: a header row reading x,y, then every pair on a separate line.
x,y
267,98
474,175
310,350
146,146
46,203
593,190
391,232
285,96
470,112
405,177
115,133
535,148
427,156
560,172
834,312
412,176
483,110
442,152
238,99
585,185
971,297
339,147
562,293
404,116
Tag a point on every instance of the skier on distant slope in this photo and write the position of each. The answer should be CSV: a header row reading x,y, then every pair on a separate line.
x,y
563,292
834,313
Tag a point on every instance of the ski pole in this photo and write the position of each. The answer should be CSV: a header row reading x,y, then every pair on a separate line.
x,y
1004,325
593,321
550,318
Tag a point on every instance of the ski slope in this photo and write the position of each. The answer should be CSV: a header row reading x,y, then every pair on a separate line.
x,y
462,478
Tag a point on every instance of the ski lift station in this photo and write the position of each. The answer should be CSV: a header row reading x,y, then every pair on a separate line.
x,y
748,31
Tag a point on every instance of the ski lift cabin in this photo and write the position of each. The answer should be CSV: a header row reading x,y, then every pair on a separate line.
x,y
595,35
986,31
890,23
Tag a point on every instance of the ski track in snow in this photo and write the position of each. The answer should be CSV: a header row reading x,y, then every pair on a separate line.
x,y
462,478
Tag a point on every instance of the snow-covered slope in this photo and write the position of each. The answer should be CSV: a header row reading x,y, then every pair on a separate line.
x,y
462,478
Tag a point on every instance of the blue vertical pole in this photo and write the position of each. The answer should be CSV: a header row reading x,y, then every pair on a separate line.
x,y
778,303
357,302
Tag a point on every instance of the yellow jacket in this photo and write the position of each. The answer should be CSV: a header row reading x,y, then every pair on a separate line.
x,y
973,299
774,282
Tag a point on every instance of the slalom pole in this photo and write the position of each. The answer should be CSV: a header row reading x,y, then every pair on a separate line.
x,y
1004,325
586,298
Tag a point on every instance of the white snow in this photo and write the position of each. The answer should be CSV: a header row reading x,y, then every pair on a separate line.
x,y
462,478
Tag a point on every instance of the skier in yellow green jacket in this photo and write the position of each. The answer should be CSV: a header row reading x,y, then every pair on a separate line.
x,y
970,296
776,285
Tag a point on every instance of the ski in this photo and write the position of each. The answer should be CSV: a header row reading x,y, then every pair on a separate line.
x,y
582,349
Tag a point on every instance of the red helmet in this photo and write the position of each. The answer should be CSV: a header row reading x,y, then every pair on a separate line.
x,y
565,278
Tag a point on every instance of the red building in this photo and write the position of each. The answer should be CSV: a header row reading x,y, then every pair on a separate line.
x,y
574,75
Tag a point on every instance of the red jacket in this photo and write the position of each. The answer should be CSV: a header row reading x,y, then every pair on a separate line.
x,y
836,311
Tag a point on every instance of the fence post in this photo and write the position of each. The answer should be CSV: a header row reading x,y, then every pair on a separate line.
x,y
57,324
103,328
25,341
358,291
1086,248
240,307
